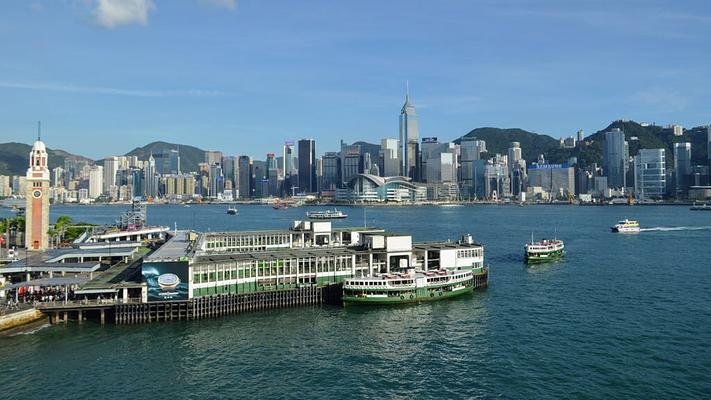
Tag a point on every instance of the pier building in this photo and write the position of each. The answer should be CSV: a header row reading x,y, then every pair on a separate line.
x,y
306,254
194,275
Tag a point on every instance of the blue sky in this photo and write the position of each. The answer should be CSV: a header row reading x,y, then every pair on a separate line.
x,y
105,76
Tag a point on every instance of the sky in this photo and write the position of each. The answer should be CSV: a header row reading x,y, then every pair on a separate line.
x,y
243,76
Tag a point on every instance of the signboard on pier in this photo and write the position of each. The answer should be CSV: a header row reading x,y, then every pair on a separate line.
x,y
166,281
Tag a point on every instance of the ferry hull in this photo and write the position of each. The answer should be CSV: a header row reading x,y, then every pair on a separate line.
x,y
543,258
408,298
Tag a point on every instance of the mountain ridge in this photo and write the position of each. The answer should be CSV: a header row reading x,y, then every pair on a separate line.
x,y
14,157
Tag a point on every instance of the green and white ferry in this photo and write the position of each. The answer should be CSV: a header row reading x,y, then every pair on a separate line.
x,y
544,251
444,270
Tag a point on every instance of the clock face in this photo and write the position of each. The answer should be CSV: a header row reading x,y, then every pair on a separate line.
x,y
37,194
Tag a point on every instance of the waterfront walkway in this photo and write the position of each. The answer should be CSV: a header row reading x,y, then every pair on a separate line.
x,y
79,304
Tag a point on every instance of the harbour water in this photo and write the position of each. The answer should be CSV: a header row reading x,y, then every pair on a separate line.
x,y
622,316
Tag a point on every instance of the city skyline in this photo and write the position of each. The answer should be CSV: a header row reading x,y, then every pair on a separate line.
x,y
225,67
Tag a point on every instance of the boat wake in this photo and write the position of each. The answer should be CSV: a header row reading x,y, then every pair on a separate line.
x,y
29,329
675,228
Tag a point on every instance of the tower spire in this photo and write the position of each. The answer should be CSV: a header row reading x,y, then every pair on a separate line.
x,y
39,131
407,90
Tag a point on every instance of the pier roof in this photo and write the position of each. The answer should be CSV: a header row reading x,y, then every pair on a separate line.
x,y
277,254
33,266
174,249
444,245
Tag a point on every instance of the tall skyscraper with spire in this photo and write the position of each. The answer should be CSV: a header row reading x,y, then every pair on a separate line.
x,y
37,203
409,136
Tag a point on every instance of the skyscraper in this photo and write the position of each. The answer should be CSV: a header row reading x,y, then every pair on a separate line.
x,y
244,177
682,168
514,154
272,176
409,136
581,135
649,174
708,145
96,181
352,163
170,161
229,171
331,179
216,181
150,180
615,158
288,167
389,162
213,157
111,166
307,166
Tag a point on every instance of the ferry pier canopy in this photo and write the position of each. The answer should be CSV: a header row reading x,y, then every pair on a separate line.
x,y
307,253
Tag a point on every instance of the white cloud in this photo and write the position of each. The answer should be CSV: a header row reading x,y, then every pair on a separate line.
x,y
113,13
36,7
229,4
660,100
61,87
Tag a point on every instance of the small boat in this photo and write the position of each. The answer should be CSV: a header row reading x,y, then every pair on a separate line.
x,y
449,204
700,207
543,251
328,214
280,206
626,226
232,210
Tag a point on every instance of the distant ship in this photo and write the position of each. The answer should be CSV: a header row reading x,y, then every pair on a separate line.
x,y
232,210
328,214
448,204
625,226
543,251
700,207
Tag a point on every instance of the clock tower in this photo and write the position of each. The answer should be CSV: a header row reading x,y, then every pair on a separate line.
x,y
37,208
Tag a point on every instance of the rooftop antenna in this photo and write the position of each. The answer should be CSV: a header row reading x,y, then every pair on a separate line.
x,y
39,130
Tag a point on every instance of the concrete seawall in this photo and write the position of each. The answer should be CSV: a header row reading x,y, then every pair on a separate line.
x,y
19,318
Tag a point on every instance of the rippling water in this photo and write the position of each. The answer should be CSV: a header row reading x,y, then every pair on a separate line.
x,y
623,316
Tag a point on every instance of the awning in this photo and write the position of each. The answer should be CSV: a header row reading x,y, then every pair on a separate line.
x,y
48,282
95,291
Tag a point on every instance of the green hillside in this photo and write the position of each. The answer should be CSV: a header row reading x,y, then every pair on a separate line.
x,y
498,141
638,136
15,157
190,156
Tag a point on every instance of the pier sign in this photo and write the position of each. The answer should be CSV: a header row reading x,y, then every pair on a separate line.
x,y
166,280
